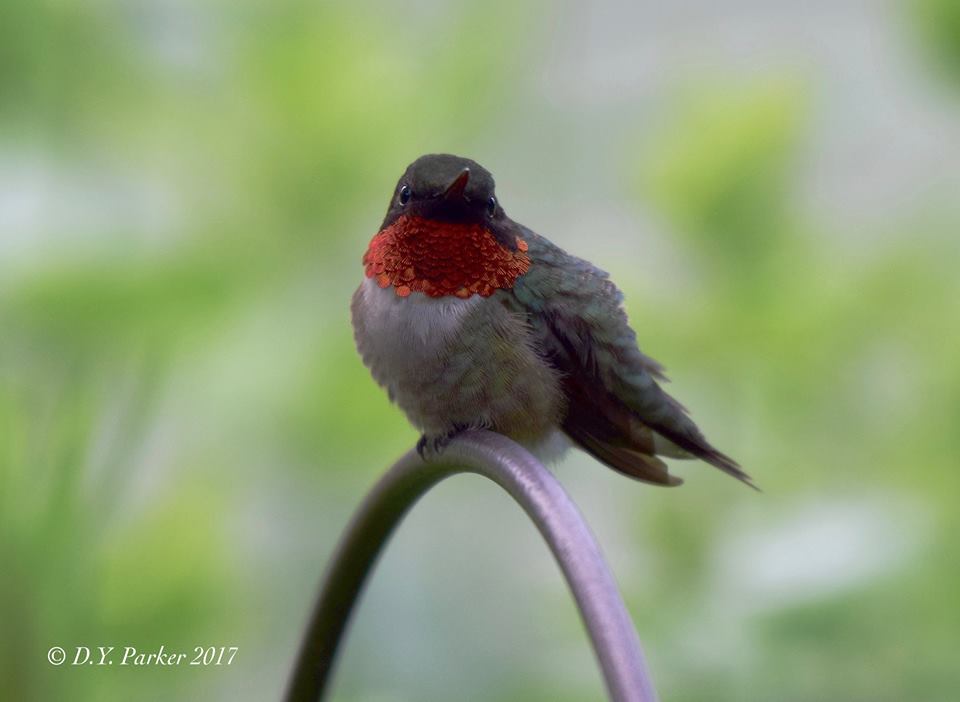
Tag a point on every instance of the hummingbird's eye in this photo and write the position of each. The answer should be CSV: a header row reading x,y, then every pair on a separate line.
x,y
491,206
404,196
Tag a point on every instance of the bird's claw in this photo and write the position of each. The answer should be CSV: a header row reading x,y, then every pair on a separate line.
x,y
432,446
422,446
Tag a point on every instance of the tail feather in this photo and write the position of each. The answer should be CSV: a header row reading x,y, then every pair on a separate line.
x,y
632,463
726,464
697,446
615,434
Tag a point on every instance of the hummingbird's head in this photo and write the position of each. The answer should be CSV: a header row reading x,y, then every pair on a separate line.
x,y
445,233
446,188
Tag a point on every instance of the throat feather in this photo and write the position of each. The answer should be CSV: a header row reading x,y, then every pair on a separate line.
x,y
443,258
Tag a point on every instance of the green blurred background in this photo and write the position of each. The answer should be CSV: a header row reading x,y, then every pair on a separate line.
x,y
186,190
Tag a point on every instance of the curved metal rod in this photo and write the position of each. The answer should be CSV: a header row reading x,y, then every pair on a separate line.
x,y
496,457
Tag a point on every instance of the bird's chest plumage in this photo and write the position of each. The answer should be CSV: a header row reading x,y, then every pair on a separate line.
x,y
449,361
408,336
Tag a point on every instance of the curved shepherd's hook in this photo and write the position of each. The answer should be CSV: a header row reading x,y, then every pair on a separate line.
x,y
611,630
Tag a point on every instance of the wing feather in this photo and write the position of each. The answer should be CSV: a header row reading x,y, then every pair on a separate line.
x,y
616,407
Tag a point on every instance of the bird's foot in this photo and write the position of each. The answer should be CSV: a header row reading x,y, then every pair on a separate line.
x,y
432,446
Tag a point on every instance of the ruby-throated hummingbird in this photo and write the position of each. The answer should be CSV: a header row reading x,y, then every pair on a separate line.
x,y
470,320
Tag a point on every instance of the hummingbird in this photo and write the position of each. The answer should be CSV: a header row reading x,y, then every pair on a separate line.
x,y
470,320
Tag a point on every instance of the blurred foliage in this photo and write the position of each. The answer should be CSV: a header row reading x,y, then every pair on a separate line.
x,y
938,22
184,424
720,170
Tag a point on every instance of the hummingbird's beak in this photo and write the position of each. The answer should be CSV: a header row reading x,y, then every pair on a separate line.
x,y
459,184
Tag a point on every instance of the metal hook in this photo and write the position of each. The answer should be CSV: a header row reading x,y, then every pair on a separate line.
x,y
534,488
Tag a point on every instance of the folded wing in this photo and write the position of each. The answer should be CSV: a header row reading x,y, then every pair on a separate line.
x,y
617,411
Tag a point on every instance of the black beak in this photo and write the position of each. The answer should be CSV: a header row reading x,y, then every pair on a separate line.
x,y
459,184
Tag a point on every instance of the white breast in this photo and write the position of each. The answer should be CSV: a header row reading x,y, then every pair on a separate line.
x,y
449,362
406,332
